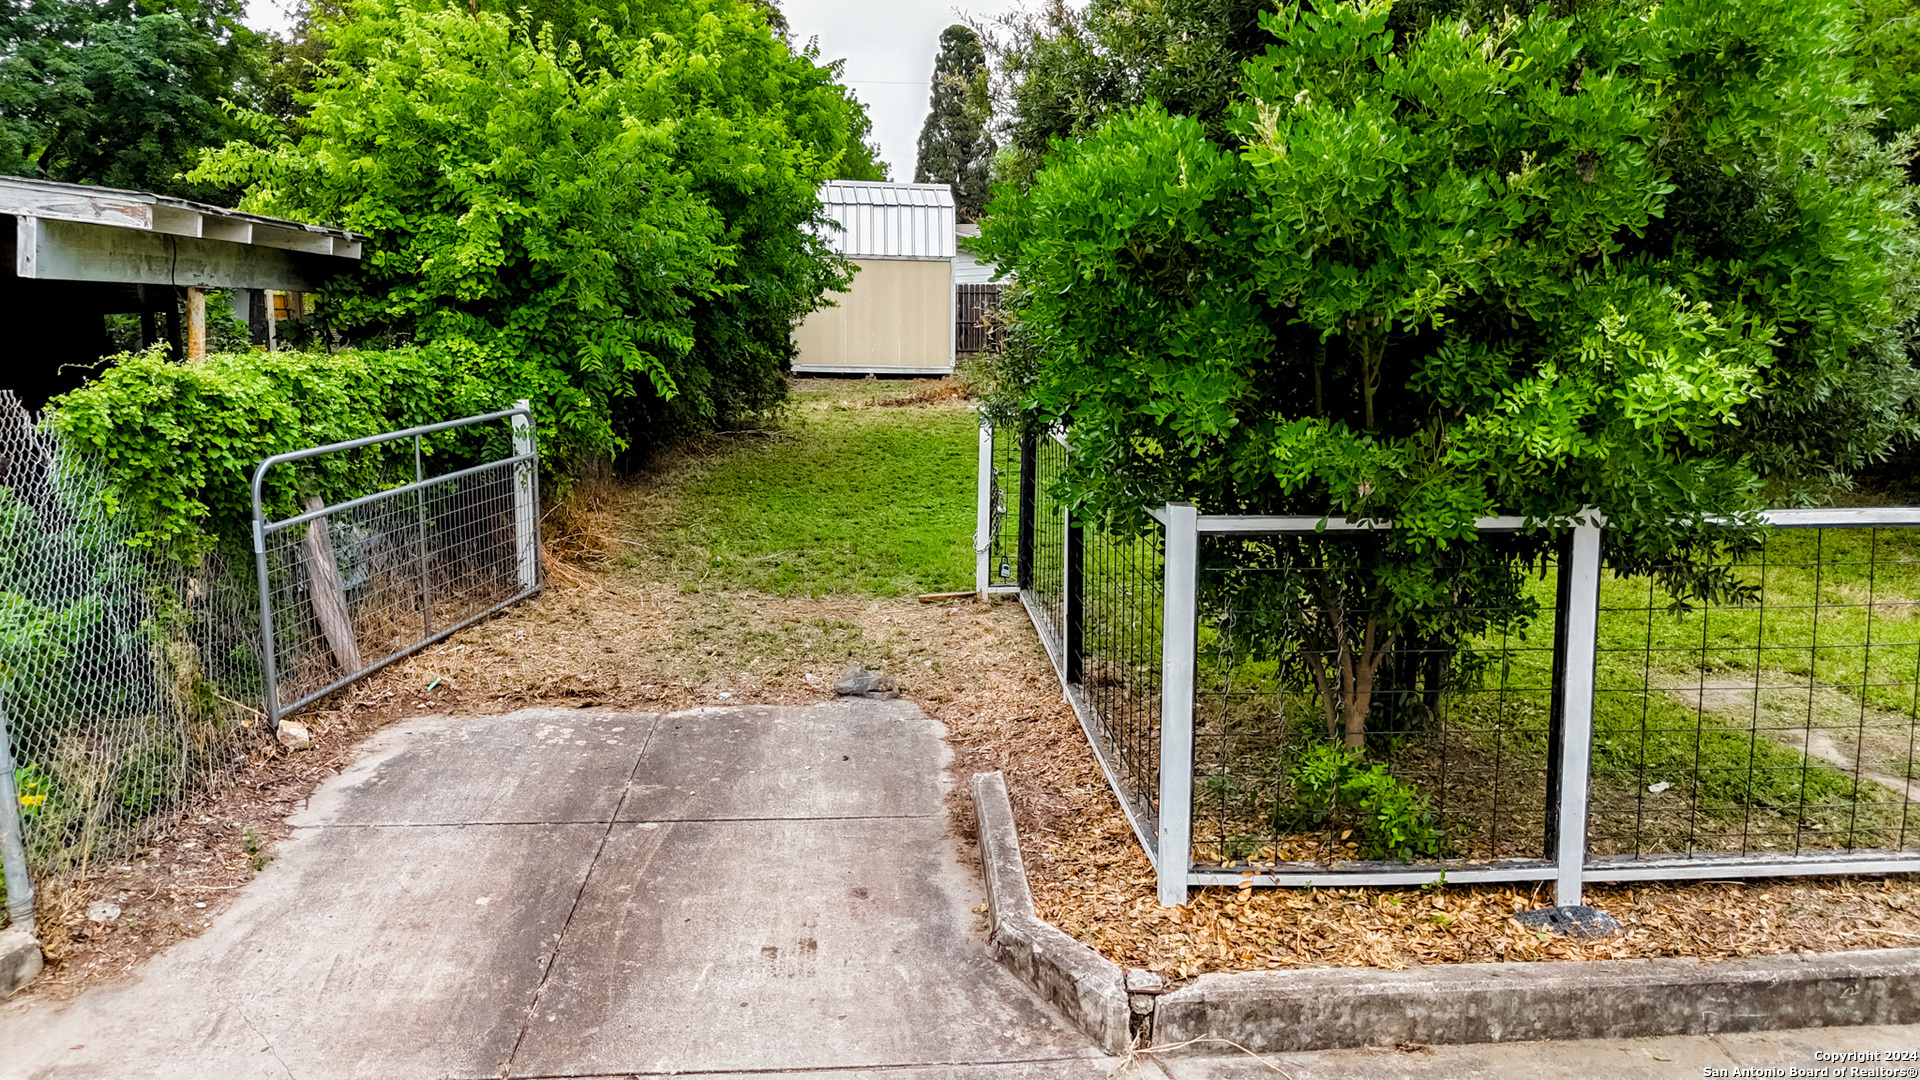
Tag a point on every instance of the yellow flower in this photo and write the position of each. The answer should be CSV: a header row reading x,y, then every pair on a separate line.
x,y
32,800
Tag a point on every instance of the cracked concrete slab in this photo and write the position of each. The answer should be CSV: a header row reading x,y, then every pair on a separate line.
x,y
717,946
361,952
537,765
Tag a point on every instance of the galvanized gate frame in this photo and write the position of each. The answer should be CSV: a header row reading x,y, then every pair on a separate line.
x,y
526,514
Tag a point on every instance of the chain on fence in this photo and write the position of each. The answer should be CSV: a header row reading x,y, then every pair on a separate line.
x,y
120,672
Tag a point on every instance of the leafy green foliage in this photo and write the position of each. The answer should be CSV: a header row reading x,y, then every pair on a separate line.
x,y
1060,73
180,442
955,148
1335,789
1648,262
618,231
1889,60
125,93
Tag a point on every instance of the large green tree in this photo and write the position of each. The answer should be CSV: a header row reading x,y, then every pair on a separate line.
x,y
626,237
955,148
1647,259
125,93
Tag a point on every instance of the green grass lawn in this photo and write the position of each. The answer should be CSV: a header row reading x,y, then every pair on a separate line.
x,y
845,498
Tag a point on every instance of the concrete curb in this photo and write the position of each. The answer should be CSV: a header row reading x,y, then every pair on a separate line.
x,y
1085,986
19,960
1331,1008
1334,1008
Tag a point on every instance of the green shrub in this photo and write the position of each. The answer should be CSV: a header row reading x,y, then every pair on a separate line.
x,y
180,442
1334,789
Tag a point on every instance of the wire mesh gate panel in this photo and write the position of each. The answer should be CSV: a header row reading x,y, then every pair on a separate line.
x,y
121,673
348,588
1563,721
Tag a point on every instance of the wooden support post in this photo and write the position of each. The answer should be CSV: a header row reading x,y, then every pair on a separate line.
x,y
328,595
272,344
196,324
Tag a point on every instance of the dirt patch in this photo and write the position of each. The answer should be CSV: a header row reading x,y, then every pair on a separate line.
x,y
1823,722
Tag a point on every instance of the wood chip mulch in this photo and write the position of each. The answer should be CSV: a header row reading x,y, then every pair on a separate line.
x,y
1091,879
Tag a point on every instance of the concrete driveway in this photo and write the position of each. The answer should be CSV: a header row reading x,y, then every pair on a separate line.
x,y
587,894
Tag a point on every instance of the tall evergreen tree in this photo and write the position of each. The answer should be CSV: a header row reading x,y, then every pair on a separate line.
x,y
954,145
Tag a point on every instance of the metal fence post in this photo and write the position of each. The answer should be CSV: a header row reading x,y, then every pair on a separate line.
x,y
269,665
1029,484
426,566
1074,600
526,509
1578,646
13,847
1174,840
983,512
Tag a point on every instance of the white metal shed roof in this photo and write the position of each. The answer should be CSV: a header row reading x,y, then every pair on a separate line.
x,y
889,221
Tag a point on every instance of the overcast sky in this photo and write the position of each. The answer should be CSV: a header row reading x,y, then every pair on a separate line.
x,y
888,46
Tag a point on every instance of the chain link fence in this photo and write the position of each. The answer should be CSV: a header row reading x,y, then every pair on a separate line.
x,y
121,675
130,681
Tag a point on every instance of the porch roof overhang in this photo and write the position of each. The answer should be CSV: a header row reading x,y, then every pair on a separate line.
x,y
76,232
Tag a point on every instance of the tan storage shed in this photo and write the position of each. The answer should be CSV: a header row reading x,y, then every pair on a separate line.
x,y
898,317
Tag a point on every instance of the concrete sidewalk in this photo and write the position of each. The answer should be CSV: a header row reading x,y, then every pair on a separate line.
x,y
574,894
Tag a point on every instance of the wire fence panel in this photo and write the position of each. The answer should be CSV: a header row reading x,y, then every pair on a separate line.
x,y
350,587
1000,524
1043,540
1118,690
121,674
1778,724
1325,736
1555,718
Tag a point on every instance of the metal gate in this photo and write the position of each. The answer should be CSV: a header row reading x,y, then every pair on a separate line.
x,y
974,306
349,587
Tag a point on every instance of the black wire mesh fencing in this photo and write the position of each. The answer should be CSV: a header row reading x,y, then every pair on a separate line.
x,y
1331,731
1270,706
997,539
1042,539
1779,722
350,587
1115,585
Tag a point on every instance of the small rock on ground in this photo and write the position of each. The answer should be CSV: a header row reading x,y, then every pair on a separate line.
x,y
859,682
